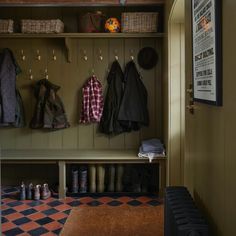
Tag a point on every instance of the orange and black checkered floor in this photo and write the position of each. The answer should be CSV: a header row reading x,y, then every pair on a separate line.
x,y
47,217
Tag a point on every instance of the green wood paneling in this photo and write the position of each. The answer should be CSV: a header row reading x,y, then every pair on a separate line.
x,y
70,88
71,77
149,80
101,70
24,84
85,49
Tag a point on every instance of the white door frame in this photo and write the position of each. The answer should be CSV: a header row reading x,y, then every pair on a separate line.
x,y
176,94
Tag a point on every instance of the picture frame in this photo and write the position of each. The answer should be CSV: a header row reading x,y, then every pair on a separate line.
x,y
207,51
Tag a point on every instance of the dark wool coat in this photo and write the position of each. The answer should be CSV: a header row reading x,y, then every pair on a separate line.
x,y
8,71
109,123
133,111
49,110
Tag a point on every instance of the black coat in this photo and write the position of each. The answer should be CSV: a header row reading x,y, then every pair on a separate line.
x,y
109,123
133,111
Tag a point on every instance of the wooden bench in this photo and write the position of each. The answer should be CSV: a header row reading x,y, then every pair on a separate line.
x,y
63,157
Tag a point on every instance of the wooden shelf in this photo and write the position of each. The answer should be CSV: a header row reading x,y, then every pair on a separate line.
x,y
68,36
83,156
79,2
84,35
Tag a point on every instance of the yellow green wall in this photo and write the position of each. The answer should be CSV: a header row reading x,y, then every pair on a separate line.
x,y
210,163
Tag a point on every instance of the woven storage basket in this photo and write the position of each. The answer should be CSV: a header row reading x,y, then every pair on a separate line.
x,y
42,26
6,26
139,22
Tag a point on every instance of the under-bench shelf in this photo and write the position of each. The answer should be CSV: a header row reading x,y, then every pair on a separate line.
x,y
63,157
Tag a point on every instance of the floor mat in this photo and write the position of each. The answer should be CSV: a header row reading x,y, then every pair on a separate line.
x,y
124,220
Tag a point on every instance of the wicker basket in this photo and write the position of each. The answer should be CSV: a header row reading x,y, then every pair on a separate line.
x,y
6,26
139,22
42,26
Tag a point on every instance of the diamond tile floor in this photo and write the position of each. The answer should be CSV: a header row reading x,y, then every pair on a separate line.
x,y
47,217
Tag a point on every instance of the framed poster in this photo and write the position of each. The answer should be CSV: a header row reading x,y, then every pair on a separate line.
x,y
207,55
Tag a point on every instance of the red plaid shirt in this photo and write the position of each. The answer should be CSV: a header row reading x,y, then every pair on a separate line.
x,y
92,104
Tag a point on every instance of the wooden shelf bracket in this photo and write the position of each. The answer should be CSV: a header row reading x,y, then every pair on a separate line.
x,y
68,49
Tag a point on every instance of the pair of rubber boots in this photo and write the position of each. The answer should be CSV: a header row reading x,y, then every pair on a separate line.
x,y
38,192
79,180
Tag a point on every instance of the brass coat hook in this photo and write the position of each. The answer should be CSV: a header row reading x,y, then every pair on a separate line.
x,y
46,74
54,58
116,54
22,55
85,56
100,55
38,56
93,72
31,77
132,54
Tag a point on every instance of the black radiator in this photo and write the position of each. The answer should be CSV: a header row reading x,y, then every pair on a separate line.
x,y
182,218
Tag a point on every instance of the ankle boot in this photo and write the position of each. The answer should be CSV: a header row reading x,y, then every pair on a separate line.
x,y
83,180
92,178
37,192
29,191
45,192
75,181
22,191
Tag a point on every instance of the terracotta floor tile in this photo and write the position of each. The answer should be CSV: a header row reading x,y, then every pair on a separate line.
x,y
36,216
143,199
63,207
4,207
29,226
53,226
68,200
105,199
24,234
14,216
8,200
43,207
8,225
124,199
86,199
48,234
48,200
22,207
58,216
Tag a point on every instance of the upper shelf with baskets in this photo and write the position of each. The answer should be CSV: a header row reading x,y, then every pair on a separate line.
x,y
79,2
84,35
68,23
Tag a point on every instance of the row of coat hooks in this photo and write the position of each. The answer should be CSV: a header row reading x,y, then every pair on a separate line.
x,y
85,56
100,57
38,56
46,76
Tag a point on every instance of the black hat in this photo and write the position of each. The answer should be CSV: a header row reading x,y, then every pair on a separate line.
x,y
147,58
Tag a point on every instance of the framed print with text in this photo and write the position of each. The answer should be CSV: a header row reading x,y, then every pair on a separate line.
x,y
207,51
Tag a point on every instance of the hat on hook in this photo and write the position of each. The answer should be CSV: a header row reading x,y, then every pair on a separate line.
x,y
147,58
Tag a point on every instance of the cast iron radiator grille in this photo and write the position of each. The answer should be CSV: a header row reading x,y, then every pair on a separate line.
x,y
182,218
